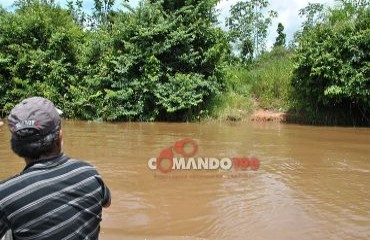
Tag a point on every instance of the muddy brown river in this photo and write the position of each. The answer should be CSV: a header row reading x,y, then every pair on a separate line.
x,y
312,182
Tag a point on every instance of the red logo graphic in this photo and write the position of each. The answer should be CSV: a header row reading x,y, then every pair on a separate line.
x,y
187,148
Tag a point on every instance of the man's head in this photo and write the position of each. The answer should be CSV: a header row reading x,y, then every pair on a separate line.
x,y
35,125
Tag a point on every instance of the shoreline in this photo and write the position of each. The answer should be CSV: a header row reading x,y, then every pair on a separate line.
x,y
261,115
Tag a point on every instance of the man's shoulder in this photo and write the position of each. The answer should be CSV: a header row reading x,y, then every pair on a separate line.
x,y
79,162
70,165
9,179
11,184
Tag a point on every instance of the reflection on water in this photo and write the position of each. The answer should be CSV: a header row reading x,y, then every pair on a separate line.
x,y
313,182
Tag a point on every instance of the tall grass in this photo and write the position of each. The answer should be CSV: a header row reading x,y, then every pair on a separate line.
x,y
270,80
231,106
265,83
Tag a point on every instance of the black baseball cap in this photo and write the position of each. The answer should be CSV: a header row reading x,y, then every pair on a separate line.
x,y
36,113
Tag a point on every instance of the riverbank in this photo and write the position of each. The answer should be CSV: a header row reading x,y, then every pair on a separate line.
x,y
261,115
260,91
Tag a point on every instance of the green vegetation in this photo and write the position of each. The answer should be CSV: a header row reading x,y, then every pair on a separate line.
x,y
281,38
248,27
168,60
39,54
331,78
159,61
266,83
153,63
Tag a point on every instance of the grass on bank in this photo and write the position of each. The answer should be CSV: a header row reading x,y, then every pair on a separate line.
x,y
263,84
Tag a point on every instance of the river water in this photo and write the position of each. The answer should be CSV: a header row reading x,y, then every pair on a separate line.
x,y
312,183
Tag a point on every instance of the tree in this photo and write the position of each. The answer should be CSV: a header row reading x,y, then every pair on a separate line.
x,y
23,4
280,39
158,62
332,64
355,3
39,49
75,9
248,26
103,13
313,14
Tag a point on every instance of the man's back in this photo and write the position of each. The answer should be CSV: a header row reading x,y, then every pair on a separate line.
x,y
58,198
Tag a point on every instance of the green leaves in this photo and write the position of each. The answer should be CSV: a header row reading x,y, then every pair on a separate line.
x,y
332,62
281,38
158,64
248,26
182,91
38,52
158,61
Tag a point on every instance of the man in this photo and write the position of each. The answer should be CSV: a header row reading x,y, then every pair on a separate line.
x,y
54,197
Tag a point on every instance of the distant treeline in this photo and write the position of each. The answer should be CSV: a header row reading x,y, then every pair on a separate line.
x,y
169,60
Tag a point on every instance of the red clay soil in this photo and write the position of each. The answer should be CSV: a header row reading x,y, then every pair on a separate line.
x,y
261,115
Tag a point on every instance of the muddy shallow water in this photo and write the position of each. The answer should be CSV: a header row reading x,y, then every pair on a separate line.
x,y
313,182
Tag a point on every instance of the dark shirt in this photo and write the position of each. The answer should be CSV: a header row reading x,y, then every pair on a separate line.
x,y
57,198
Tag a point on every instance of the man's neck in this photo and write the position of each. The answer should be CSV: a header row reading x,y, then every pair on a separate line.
x,y
42,157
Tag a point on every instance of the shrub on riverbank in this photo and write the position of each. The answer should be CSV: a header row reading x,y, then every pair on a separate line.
x,y
166,60
326,81
154,62
331,79
39,54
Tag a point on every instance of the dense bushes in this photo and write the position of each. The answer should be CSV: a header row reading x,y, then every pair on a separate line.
x,y
167,60
332,73
158,64
38,54
148,64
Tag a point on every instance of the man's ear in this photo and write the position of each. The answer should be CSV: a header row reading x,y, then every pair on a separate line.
x,y
60,140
